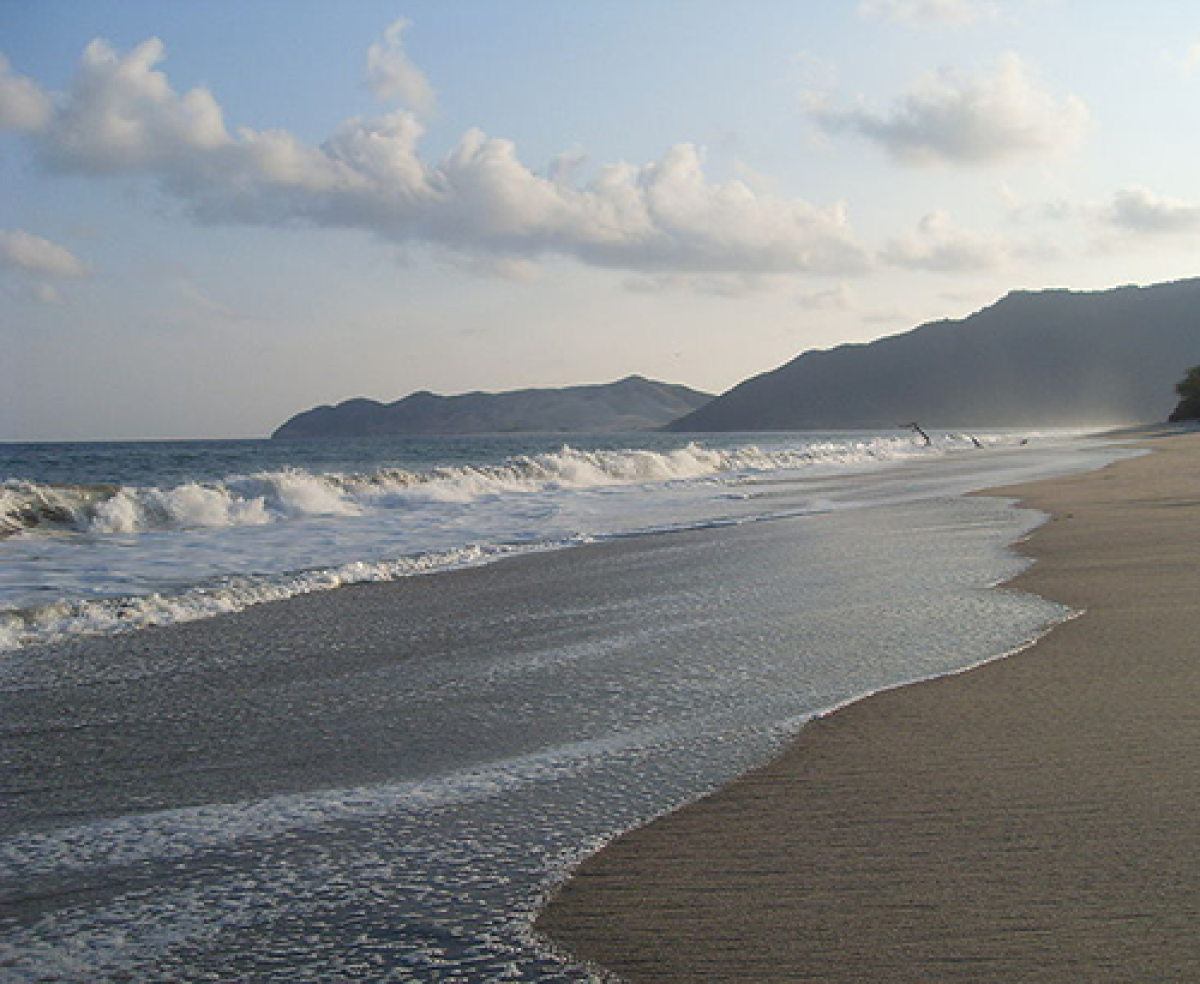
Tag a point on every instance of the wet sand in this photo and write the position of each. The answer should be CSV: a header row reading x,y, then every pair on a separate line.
x,y
1034,819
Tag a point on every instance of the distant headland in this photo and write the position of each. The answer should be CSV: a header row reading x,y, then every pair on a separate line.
x,y
630,404
1034,358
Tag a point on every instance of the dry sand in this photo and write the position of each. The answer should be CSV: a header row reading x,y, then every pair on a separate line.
x,y
1035,819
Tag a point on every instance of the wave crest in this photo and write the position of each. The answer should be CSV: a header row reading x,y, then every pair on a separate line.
x,y
267,497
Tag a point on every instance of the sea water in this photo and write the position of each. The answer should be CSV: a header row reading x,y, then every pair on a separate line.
x,y
110,537
382,784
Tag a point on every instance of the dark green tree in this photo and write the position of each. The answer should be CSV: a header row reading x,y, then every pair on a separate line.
x,y
1189,397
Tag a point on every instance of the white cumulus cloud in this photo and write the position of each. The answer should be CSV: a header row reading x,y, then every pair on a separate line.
x,y
392,77
951,118
23,105
121,115
1139,210
29,261
938,244
1131,216
21,251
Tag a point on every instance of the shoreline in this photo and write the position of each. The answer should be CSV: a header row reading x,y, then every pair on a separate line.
x,y
287,738
990,824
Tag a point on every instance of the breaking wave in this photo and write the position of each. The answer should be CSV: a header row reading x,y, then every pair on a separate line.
x,y
109,616
401,523
268,497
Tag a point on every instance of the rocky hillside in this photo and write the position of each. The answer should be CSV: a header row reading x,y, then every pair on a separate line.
x,y
1032,359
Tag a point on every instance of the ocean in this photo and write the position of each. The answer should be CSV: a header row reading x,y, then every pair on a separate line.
x,y
104,538
219,768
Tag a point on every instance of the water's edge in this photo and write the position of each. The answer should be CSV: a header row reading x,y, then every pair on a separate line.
x,y
546,945
520,922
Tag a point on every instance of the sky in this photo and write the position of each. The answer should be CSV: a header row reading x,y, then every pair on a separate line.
x,y
216,215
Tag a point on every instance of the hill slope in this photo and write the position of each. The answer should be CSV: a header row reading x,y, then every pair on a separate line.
x,y
1033,358
634,403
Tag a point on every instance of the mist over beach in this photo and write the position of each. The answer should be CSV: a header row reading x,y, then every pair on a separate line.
x,y
571,492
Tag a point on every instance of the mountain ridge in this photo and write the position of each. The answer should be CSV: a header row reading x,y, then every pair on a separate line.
x,y
1031,358
633,403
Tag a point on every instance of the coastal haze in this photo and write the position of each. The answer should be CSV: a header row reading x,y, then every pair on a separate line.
x,y
439,440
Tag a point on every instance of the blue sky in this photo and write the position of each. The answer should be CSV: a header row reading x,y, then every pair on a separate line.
x,y
217,215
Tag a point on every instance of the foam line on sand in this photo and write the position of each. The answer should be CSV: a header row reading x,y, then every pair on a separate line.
x,y
1034,819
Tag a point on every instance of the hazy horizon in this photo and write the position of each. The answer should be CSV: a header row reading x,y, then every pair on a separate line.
x,y
215,223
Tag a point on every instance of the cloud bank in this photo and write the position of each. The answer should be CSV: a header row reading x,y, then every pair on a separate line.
x,y
950,118
121,116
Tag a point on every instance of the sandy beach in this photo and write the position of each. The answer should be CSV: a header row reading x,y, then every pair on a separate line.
x,y
1034,819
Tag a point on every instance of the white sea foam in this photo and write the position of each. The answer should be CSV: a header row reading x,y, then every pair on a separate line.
x,y
179,833
65,619
266,497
